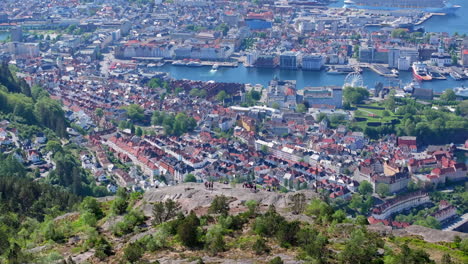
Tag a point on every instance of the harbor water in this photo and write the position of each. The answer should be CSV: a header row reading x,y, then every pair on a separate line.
x,y
241,74
4,35
262,76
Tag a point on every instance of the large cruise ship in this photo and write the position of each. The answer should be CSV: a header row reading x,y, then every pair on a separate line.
x,y
432,6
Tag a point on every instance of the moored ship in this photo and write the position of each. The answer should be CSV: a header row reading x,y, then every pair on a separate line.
x,y
431,6
420,72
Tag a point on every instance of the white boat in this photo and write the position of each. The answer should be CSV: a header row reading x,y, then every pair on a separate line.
x,y
215,67
461,91
179,63
411,86
194,64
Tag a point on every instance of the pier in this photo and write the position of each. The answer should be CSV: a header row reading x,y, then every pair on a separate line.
x,y
382,70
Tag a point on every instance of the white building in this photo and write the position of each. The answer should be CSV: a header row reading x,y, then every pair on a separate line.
x,y
312,62
387,209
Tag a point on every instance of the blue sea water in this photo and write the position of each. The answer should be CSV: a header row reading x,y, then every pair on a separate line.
x,y
4,35
453,23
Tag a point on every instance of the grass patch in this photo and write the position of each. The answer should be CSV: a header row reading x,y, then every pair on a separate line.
x,y
434,249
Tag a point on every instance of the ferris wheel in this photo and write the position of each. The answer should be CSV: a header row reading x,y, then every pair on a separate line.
x,y
354,79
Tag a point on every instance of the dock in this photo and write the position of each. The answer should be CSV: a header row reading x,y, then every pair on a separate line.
x,y
427,17
436,73
382,70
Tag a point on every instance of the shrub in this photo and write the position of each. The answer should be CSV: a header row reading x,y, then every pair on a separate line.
x,y
130,221
260,247
187,231
103,249
163,211
268,224
287,232
219,205
214,240
119,206
133,252
276,260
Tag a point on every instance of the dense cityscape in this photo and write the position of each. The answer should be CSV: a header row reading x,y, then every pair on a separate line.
x,y
205,131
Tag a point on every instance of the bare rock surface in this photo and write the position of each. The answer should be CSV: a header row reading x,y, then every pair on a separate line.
x,y
429,234
194,196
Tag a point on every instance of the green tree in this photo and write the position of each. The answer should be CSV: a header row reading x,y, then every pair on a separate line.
x,y
138,132
260,247
135,112
276,260
382,189
164,211
190,178
221,96
361,248
399,33
365,188
219,205
298,203
355,95
464,245
462,108
446,259
275,105
53,146
99,112
187,231
91,205
252,206
301,108
214,241
448,95
313,243
133,252
119,205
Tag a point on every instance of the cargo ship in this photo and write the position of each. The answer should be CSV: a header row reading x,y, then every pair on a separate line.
x,y
431,6
420,72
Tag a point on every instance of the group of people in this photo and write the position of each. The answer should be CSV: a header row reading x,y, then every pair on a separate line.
x,y
209,185
251,186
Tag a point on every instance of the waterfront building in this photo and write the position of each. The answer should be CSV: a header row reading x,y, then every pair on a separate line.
x,y
282,93
322,96
312,62
441,58
407,201
16,34
267,61
289,60
381,55
434,6
393,56
251,58
412,53
366,54
464,53
404,63
135,48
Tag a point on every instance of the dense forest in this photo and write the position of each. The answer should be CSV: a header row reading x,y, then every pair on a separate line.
x,y
26,200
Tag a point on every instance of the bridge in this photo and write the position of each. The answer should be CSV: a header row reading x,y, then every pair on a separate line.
x,y
460,221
